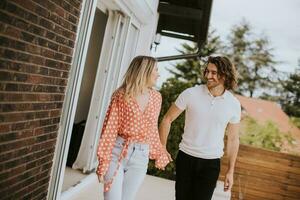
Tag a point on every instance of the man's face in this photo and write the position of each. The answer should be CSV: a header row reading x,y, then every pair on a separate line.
x,y
212,76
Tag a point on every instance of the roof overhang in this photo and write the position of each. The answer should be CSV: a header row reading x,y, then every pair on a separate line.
x,y
184,19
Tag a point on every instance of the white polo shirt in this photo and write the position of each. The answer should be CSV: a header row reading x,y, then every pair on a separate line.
x,y
206,119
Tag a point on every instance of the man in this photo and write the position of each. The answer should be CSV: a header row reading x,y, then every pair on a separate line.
x,y
210,111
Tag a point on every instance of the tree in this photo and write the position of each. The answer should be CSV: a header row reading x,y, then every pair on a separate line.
x,y
290,97
267,135
253,59
190,70
251,55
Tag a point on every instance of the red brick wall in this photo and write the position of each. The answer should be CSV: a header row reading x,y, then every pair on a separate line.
x,y
36,45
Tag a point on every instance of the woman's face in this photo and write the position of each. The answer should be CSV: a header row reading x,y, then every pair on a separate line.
x,y
154,76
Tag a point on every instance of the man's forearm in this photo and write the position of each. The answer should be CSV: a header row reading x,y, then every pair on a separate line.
x,y
164,129
232,152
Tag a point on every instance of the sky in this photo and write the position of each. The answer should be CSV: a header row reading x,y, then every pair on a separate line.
x,y
278,20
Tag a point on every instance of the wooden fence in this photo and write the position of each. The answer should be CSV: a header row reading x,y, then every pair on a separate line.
x,y
264,175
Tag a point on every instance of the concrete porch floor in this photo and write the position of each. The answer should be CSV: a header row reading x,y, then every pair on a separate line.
x,y
153,188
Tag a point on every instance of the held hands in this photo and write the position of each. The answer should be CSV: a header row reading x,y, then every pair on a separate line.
x,y
101,178
164,159
169,155
228,181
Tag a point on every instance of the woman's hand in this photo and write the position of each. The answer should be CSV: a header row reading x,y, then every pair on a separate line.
x,y
163,159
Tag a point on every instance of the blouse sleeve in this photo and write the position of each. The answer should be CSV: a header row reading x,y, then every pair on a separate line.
x,y
108,135
158,152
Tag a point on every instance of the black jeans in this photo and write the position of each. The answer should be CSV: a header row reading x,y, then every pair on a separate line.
x,y
196,178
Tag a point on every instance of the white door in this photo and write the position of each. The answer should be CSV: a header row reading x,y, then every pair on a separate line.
x,y
129,51
106,82
130,48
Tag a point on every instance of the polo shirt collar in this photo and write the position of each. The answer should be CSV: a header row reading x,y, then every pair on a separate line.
x,y
223,96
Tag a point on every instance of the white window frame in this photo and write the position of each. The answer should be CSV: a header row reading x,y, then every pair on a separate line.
x,y
70,102
105,83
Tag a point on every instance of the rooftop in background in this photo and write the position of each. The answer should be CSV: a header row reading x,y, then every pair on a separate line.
x,y
263,110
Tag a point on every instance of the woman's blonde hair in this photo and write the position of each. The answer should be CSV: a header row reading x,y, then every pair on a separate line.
x,y
137,76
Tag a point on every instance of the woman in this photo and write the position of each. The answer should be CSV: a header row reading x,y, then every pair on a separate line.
x,y
130,132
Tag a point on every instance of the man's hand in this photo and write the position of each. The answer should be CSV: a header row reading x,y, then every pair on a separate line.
x,y
228,181
169,155
101,178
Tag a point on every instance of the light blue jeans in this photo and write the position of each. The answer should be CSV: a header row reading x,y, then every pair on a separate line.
x,y
131,172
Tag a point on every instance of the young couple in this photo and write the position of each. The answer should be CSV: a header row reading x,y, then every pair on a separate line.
x,y
130,135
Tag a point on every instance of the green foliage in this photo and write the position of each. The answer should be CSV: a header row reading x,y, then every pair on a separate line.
x,y
266,136
295,121
287,93
290,98
251,55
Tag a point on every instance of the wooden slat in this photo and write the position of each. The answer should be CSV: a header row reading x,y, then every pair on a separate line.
x,y
263,174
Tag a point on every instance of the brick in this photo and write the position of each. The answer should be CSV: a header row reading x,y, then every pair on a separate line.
x,y
36,30
21,126
56,47
56,14
46,139
5,18
47,22
2,86
12,32
5,76
17,153
12,8
20,186
16,97
2,4
41,196
14,117
57,65
14,55
67,7
23,25
37,188
29,106
15,171
4,128
48,25
65,50
37,39
74,3
33,69
72,19
12,87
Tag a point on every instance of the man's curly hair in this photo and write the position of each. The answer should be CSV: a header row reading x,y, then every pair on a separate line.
x,y
225,69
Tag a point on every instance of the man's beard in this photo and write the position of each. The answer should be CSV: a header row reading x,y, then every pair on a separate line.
x,y
212,85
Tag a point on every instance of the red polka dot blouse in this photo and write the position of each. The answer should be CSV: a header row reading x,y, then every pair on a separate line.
x,y
125,118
